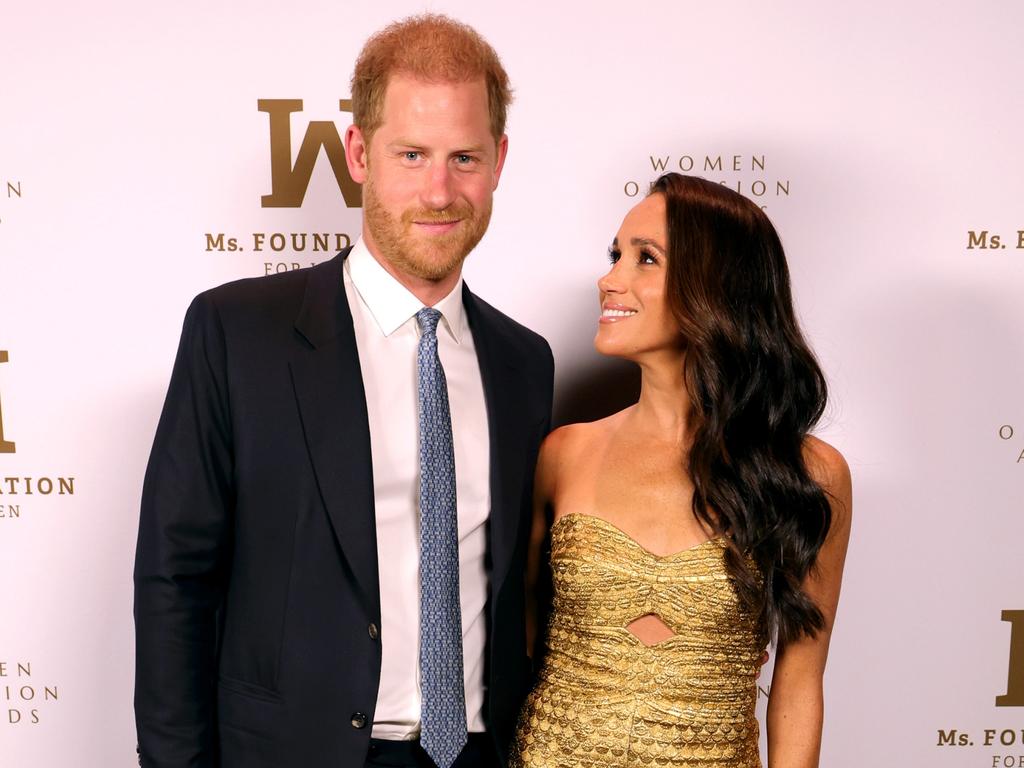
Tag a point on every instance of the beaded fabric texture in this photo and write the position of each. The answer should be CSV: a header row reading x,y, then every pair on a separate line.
x,y
602,697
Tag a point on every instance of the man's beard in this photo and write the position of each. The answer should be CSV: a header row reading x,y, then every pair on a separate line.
x,y
428,257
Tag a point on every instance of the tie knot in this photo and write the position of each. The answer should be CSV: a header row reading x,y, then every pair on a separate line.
x,y
428,318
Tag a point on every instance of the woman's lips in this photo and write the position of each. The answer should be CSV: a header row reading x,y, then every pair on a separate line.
x,y
616,314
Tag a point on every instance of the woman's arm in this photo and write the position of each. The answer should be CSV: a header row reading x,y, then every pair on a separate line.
x,y
796,702
536,566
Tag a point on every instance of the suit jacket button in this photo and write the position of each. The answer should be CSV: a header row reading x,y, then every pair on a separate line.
x,y
358,720
374,633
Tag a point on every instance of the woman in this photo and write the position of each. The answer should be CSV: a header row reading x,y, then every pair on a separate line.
x,y
701,522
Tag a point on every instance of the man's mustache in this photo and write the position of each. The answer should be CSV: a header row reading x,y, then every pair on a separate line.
x,y
445,216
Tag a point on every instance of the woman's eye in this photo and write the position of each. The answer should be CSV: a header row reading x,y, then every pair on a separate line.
x,y
614,255
646,257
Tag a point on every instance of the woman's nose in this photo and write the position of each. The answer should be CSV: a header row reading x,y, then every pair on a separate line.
x,y
610,281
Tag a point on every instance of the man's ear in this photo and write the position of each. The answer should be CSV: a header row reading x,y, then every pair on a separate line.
x,y
357,152
502,151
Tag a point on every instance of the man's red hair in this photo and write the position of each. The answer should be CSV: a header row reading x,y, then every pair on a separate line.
x,y
433,48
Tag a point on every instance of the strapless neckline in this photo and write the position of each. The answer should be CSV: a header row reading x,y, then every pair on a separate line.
x,y
600,522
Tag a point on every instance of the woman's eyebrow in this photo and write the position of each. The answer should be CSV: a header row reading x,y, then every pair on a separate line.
x,y
641,241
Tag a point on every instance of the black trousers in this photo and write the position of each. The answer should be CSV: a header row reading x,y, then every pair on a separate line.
x,y
478,753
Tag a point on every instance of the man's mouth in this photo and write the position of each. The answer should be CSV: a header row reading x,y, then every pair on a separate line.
x,y
437,227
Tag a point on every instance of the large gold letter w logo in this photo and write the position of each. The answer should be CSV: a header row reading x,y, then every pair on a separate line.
x,y
288,183
5,445
1014,696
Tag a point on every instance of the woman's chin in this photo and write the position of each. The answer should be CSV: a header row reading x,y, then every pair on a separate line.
x,y
609,348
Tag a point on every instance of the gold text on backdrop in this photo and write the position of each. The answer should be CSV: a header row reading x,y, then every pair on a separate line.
x,y
744,173
709,163
1006,433
13,190
6,446
31,486
21,695
1014,696
288,182
297,242
37,486
985,240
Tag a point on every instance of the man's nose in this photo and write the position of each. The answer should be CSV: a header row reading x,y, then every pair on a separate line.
x,y
439,187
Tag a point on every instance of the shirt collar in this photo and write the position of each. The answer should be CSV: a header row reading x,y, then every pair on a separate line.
x,y
390,302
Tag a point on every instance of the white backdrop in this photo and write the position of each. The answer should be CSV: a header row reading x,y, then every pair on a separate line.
x,y
884,133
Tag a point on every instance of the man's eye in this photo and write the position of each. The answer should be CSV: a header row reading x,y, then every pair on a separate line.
x,y
464,159
411,155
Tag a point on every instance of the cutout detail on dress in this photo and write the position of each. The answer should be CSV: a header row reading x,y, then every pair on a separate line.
x,y
649,629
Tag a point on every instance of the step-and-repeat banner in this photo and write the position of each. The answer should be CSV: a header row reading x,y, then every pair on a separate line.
x,y
149,152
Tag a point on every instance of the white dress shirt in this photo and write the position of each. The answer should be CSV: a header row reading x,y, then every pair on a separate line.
x,y
387,337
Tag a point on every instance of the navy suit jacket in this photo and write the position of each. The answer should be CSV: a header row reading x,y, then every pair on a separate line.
x,y
257,604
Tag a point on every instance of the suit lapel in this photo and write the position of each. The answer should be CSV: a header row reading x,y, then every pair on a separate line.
x,y
329,390
505,408
332,402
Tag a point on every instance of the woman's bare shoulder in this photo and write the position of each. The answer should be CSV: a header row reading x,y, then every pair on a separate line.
x,y
565,442
826,464
829,469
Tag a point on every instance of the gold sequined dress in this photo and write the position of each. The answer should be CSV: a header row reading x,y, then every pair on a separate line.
x,y
603,697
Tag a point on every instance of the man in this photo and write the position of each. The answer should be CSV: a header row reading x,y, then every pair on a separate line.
x,y
334,518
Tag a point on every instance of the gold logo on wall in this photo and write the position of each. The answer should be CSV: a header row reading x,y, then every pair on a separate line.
x,y
17,485
6,446
1014,696
288,182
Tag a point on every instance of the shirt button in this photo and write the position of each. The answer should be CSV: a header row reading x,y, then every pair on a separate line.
x,y
358,720
374,633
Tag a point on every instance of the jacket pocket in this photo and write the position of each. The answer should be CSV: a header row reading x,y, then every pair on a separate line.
x,y
248,689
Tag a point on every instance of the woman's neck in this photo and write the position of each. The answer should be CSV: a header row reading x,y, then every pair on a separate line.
x,y
663,410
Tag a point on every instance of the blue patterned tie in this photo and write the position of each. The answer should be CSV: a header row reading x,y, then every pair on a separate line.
x,y
443,727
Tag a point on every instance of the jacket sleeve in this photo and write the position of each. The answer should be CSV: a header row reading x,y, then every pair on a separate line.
x,y
183,553
549,391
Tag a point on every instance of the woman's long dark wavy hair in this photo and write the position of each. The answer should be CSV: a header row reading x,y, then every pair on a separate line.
x,y
755,389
